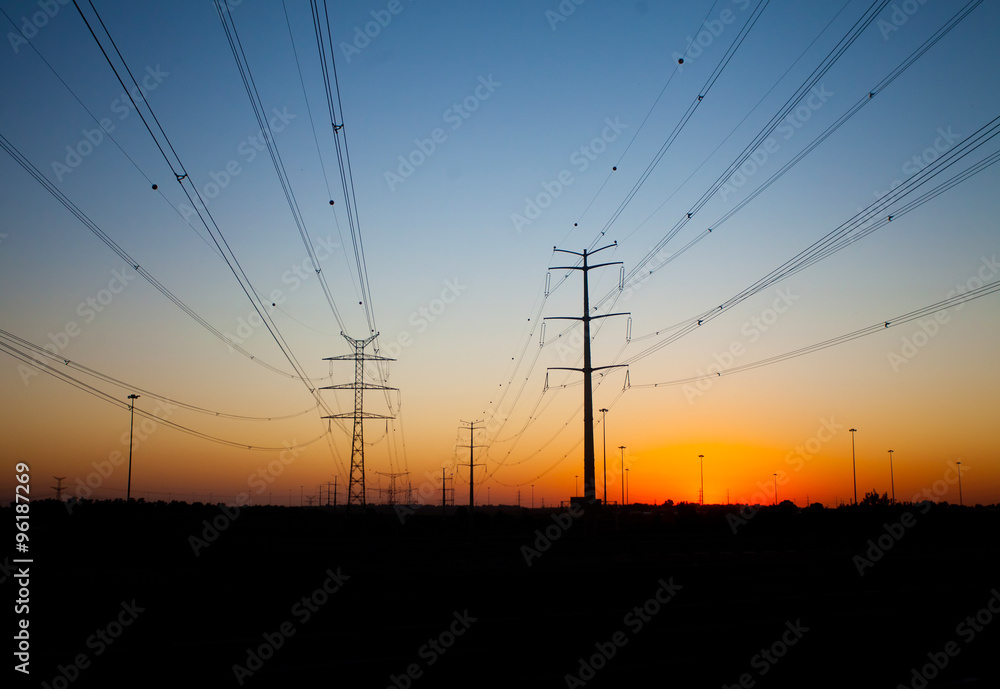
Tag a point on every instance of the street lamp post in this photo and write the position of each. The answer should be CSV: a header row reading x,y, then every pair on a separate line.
x,y
604,427
131,424
622,448
701,493
626,486
854,464
892,480
959,483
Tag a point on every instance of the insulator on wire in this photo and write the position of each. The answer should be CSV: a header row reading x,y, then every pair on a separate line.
x,y
546,382
541,336
628,330
548,282
621,279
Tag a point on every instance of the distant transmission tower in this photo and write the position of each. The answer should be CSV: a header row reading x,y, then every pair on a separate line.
x,y
356,485
589,483
392,492
58,488
472,464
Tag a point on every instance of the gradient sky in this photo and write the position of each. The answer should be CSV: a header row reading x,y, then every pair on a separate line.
x,y
442,240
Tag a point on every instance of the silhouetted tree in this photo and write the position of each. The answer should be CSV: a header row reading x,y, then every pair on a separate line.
x,y
873,499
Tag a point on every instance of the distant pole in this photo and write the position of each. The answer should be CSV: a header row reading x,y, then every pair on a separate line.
x,y
959,483
472,465
532,496
604,428
892,480
854,463
59,487
626,486
444,492
775,489
701,465
335,491
622,448
576,484
131,425
301,498
488,501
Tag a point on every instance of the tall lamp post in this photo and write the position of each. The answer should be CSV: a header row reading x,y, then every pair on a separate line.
x,y
892,480
959,483
604,427
854,464
622,448
626,486
131,424
701,493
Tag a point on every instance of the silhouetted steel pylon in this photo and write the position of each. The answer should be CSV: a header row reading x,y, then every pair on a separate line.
x,y
589,482
356,484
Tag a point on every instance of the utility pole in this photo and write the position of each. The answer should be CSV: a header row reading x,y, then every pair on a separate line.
x,y
892,480
622,448
444,492
854,464
472,466
58,487
589,490
128,492
701,493
356,485
604,429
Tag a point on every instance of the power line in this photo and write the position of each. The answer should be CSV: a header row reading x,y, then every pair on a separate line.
x,y
881,326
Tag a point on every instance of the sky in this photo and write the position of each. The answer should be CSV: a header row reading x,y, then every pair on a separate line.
x,y
482,135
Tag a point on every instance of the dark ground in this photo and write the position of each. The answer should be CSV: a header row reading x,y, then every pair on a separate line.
x,y
406,584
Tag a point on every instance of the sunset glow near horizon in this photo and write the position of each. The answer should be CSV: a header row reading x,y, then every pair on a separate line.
x,y
481,136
